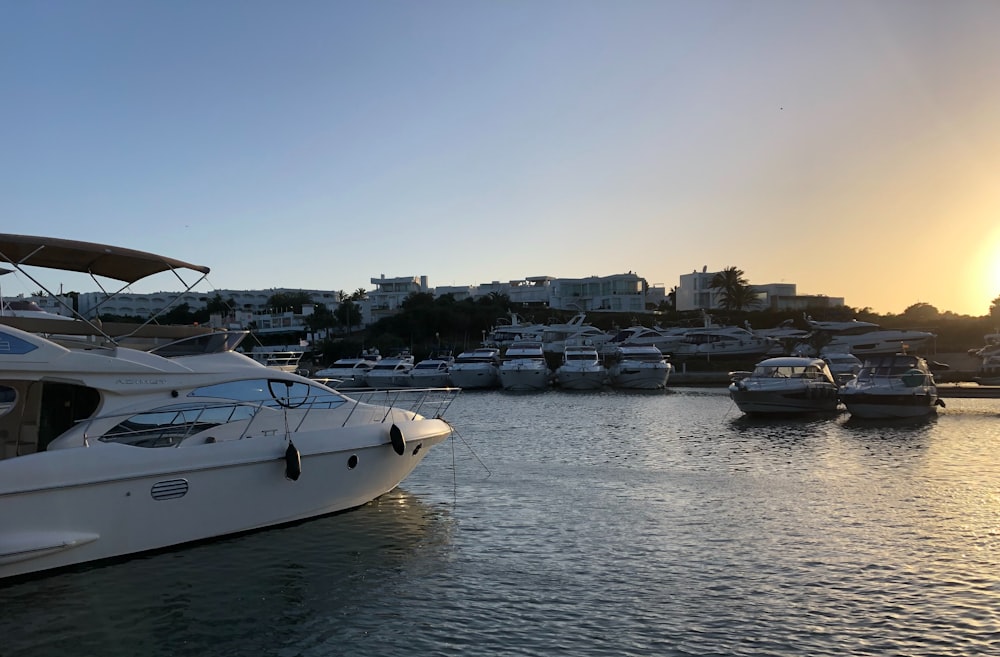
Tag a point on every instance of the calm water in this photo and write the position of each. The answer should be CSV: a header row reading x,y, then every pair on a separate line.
x,y
590,524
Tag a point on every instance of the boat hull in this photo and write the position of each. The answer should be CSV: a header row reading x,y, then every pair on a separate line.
x,y
519,378
639,378
442,380
774,402
66,507
875,406
380,380
475,379
581,379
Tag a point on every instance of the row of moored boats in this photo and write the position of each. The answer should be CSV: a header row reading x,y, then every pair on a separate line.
x,y
886,386
522,366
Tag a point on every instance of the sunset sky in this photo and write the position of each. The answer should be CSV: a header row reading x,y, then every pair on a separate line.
x,y
851,146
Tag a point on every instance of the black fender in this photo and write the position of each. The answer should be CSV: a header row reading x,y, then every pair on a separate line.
x,y
397,440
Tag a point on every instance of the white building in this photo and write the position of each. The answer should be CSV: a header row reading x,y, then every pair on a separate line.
x,y
615,293
695,293
389,293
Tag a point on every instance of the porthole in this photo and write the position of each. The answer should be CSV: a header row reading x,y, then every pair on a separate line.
x,y
352,462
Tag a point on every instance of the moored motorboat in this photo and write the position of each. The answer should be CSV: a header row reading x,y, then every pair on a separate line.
x,y
433,372
581,369
786,385
524,367
476,369
391,372
722,342
859,338
108,450
639,367
349,372
891,386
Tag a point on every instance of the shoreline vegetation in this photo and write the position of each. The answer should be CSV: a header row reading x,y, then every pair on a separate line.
x,y
427,325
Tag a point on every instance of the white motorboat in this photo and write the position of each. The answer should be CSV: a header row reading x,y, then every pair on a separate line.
x,y
286,360
556,336
508,330
581,369
891,386
639,367
524,367
859,338
722,342
786,385
988,372
27,308
107,451
391,372
665,340
349,372
783,337
433,372
842,366
476,369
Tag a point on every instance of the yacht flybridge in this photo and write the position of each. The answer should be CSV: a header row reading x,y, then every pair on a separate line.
x,y
120,439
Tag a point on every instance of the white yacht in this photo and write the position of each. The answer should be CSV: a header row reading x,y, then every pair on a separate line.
x,y
524,367
349,372
786,385
665,340
639,367
26,308
391,372
581,369
859,338
433,372
988,372
508,330
284,359
891,386
842,366
555,336
722,342
478,368
107,450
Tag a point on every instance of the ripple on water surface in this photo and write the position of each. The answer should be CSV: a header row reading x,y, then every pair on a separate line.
x,y
591,524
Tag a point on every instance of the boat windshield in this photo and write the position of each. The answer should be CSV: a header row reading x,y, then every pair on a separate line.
x,y
788,372
209,343
273,392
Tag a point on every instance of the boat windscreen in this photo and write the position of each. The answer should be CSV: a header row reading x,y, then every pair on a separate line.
x,y
209,343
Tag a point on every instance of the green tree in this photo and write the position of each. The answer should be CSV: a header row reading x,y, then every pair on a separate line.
x,y
995,309
179,314
322,318
921,312
348,314
735,291
289,301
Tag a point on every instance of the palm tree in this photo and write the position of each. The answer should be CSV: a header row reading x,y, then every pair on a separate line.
x,y
735,291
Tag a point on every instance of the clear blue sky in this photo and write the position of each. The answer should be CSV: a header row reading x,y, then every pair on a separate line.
x,y
849,146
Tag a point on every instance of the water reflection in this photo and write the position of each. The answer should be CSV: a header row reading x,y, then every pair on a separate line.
x,y
234,592
591,524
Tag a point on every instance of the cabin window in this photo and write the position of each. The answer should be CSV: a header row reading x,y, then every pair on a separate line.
x,y
8,399
273,393
167,427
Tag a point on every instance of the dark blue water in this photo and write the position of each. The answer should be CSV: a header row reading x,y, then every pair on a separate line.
x,y
590,524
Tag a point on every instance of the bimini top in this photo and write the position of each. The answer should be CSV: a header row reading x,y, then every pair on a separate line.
x,y
114,262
